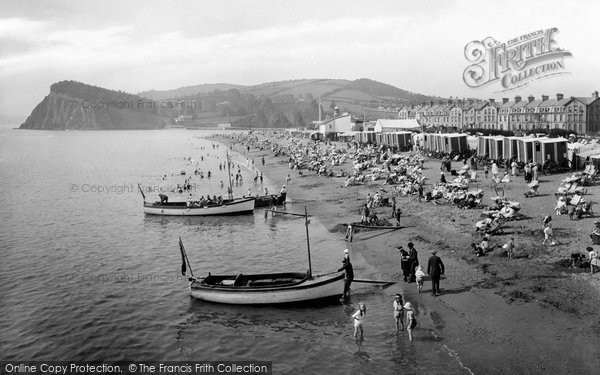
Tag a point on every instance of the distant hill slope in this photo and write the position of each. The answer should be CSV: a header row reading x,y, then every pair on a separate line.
x,y
362,97
75,105
186,91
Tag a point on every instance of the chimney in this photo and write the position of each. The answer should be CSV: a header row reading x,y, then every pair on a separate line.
x,y
504,100
492,100
544,98
517,99
431,103
530,98
559,96
595,94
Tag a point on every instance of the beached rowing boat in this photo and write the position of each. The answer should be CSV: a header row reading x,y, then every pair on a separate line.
x,y
262,289
229,207
265,200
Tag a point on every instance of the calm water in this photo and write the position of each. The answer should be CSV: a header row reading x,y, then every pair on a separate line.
x,y
85,275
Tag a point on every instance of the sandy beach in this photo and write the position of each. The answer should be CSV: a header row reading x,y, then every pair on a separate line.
x,y
531,314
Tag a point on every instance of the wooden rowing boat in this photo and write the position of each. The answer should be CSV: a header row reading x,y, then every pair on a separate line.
x,y
265,200
262,289
230,207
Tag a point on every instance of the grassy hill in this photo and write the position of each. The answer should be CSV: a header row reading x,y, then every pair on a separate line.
x,y
292,102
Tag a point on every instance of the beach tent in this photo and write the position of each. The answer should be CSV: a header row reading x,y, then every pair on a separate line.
x,y
550,149
509,147
525,149
482,146
453,142
495,147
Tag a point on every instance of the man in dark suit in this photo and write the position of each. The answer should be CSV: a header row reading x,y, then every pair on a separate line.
x,y
349,273
413,261
435,269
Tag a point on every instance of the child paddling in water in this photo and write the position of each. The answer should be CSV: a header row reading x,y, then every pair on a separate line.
x,y
410,318
398,312
358,317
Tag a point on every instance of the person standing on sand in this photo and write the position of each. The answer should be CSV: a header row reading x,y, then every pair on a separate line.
x,y
348,273
510,247
435,269
494,170
413,261
594,260
548,235
398,312
404,263
411,320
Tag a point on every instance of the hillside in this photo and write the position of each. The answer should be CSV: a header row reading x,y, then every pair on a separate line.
x,y
293,103
75,105
296,100
181,92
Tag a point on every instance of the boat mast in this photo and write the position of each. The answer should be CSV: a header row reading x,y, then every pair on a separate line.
x,y
306,222
229,177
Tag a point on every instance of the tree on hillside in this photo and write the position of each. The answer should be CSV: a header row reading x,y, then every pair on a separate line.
x,y
298,120
278,120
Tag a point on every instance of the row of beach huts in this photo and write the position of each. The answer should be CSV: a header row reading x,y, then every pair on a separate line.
x,y
525,149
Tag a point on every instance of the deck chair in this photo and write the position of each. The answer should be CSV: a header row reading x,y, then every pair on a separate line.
x,y
499,189
497,228
588,211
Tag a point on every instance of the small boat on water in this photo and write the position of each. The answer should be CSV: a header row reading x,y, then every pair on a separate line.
x,y
262,289
227,207
230,206
271,288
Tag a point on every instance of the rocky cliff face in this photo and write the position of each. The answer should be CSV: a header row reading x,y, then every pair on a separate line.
x,y
74,105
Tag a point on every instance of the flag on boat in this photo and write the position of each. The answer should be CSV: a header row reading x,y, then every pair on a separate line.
x,y
142,192
182,257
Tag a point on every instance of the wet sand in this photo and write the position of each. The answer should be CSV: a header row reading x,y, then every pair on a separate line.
x,y
531,314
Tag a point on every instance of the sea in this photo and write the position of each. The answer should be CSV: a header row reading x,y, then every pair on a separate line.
x,y
85,275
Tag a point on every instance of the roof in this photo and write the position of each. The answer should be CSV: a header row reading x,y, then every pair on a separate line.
x,y
586,100
552,140
398,124
334,118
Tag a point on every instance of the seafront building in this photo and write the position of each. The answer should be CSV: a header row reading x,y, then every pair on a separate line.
x,y
578,114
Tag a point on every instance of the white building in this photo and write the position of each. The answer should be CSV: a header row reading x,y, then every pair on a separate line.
x,y
386,126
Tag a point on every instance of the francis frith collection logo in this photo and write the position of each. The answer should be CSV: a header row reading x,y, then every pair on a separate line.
x,y
514,63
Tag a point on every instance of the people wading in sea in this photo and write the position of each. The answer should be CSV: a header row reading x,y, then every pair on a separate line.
x,y
411,320
348,273
359,318
398,312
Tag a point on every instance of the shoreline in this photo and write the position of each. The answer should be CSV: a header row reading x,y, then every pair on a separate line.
x,y
525,313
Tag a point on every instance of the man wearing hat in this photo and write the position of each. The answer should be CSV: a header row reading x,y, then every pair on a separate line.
x,y
435,269
349,273
413,262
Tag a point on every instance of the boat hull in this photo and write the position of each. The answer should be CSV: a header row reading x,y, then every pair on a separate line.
x,y
318,288
237,207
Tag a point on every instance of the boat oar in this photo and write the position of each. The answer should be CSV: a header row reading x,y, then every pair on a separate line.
x,y
367,281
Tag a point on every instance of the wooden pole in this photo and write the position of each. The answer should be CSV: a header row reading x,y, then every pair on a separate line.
x,y
306,222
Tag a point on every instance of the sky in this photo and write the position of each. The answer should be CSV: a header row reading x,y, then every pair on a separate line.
x,y
415,45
